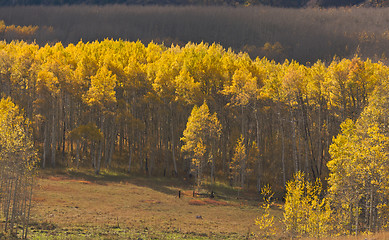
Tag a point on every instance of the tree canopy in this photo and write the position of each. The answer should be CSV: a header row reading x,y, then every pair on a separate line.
x,y
125,104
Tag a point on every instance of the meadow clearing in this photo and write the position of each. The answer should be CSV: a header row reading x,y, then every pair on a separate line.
x,y
80,205
115,206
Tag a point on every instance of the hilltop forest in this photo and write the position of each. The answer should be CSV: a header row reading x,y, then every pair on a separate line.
x,y
116,102
204,113
174,104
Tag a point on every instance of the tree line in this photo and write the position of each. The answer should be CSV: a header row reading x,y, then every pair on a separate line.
x,y
316,133
126,105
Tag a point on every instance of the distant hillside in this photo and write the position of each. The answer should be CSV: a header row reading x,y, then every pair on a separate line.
x,y
305,34
275,3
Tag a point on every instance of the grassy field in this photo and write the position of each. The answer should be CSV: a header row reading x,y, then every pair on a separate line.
x,y
115,206
80,205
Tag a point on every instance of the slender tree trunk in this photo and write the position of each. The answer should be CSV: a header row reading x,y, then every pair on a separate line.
x,y
141,153
151,163
94,155
14,203
121,139
371,209
29,208
71,112
99,156
106,142
224,151
283,154
45,132
172,140
259,183
53,140
305,134
131,136
357,218
166,158
200,170
8,201
306,157
212,158
320,142
129,157
258,146
242,123
243,172
78,153
111,149
100,145
294,139
63,136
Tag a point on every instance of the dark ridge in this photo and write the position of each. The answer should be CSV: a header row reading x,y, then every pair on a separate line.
x,y
273,3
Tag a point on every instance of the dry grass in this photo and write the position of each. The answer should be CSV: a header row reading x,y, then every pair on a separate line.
x,y
197,202
66,202
79,205
377,236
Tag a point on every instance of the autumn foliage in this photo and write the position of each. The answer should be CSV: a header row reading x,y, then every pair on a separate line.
x,y
210,113
17,158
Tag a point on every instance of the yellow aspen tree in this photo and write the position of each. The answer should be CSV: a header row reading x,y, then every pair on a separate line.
x,y
18,160
239,162
266,222
200,137
306,212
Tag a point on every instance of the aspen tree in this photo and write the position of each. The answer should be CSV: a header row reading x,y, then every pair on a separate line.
x,y
306,212
239,162
199,137
359,168
18,158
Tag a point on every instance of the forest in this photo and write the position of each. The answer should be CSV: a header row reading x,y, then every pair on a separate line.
x,y
305,35
207,113
311,134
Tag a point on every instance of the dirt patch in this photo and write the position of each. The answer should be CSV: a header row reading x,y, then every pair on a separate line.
x,y
197,202
80,181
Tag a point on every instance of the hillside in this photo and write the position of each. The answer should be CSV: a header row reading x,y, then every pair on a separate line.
x,y
304,35
189,122
274,3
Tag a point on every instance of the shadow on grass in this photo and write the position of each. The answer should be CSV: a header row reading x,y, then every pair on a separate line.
x,y
167,185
